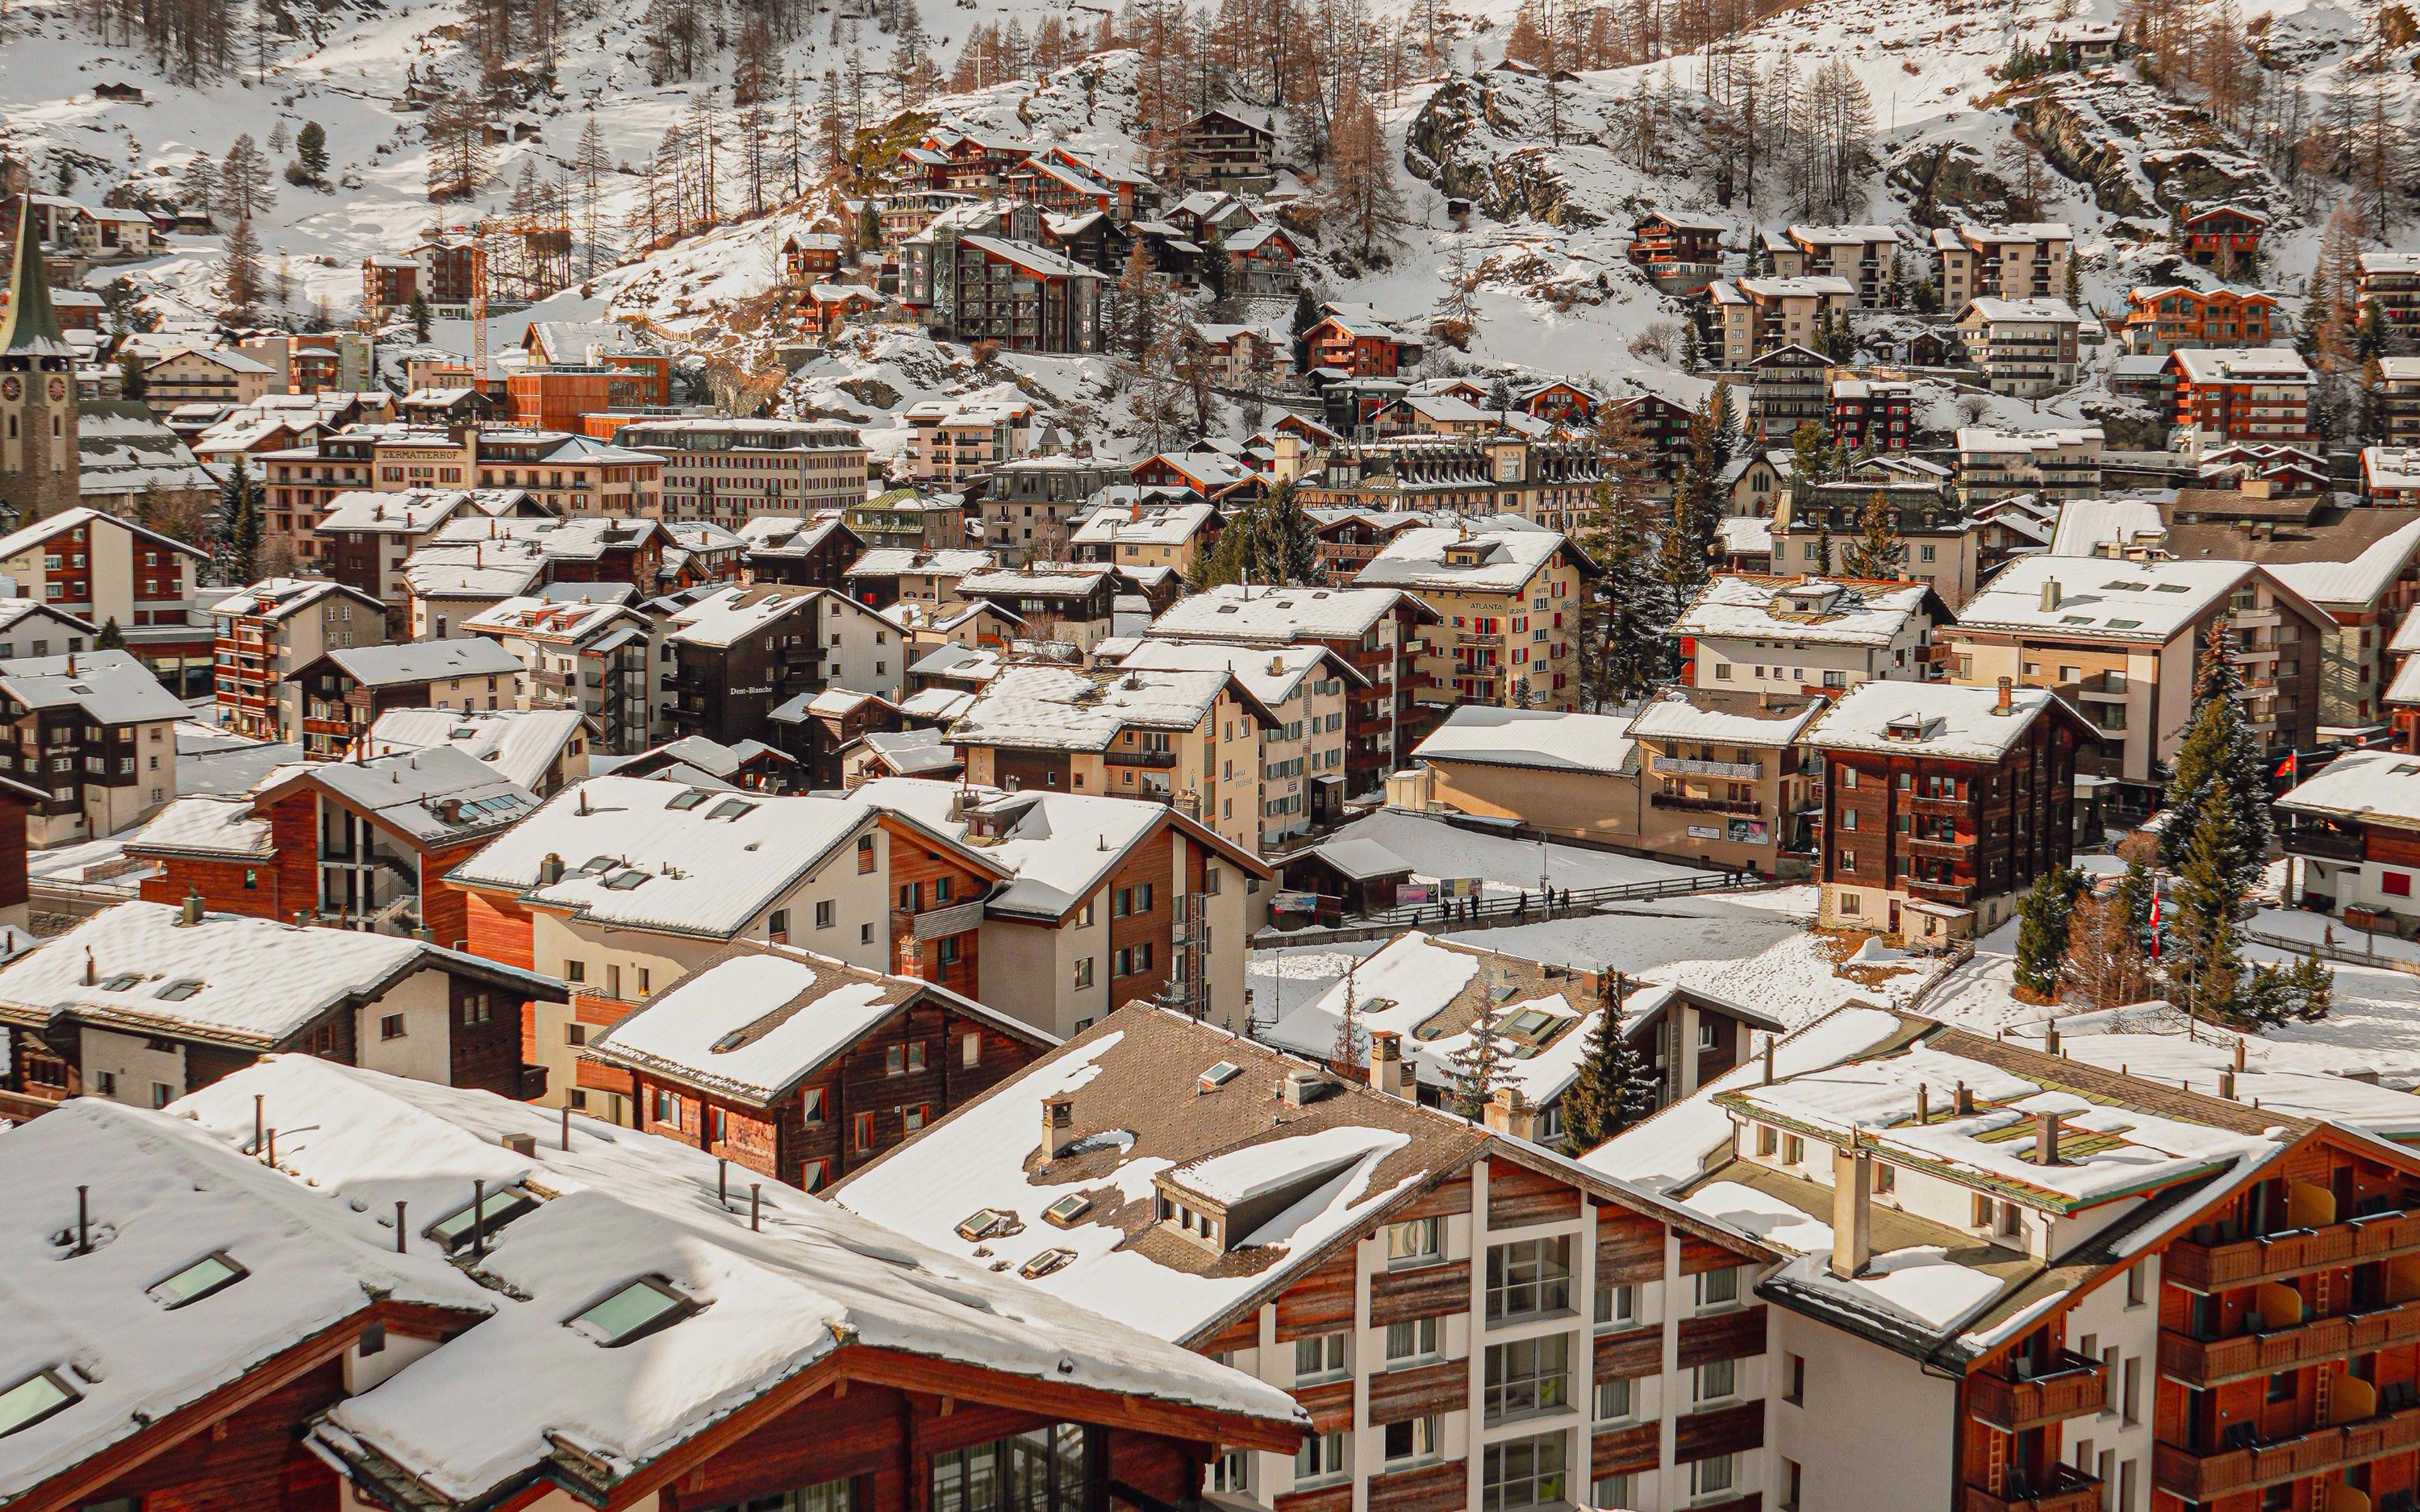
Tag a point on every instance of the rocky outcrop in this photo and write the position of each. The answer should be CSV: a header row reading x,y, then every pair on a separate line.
x,y
1475,140
2080,144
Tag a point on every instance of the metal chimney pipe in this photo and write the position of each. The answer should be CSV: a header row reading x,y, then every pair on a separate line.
x,y
478,1217
398,1225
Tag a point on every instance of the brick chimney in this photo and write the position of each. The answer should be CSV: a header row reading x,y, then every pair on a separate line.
x,y
2046,1138
2007,703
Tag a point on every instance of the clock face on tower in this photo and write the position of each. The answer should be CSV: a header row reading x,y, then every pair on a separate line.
x,y
11,390
58,390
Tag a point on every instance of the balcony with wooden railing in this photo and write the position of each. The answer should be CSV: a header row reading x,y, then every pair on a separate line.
x,y
2198,1478
2295,1252
2065,1490
2075,1385
2214,1362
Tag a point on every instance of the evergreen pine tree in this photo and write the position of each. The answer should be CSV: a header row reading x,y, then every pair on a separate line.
x,y
2219,744
239,526
1629,649
419,316
1478,1062
243,272
111,638
1615,1088
311,150
2043,919
2206,968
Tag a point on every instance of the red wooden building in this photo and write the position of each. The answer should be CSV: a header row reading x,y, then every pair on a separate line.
x,y
800,1067
336,1331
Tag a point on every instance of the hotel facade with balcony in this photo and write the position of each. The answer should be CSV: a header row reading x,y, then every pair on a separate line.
x,y
2027,1281
2120,641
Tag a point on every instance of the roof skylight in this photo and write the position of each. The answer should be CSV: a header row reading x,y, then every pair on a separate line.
x,y
495,1210
1219,1076
647,1306
32,1399
212,1273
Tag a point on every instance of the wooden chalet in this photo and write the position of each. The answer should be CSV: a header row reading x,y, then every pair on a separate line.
x,y
2222,237
1679,253
144,1003
1941,804
800,1067
329,1332
1443,1282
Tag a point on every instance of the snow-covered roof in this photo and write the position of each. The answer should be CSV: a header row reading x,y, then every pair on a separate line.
x,y
1986,440
1420,558
413,792
522,1392
1162,525
42,529
1546,739
1155,1097
788,534
758,1018
1679,1143
1939,720
404,663
1807,610
2241,364
1993,311
2376,786
416,511
1060,847
1360,859
2358,583
522,745
281,599
731,615
207,825
641,853
894,561
2085,525
2382,467
2136,1148
1815,287
1725,719
550,618
1274,675
916,753
1430,993
169,1194
230,979
2102,600
1138,1106
1062,708
1237,611
111,687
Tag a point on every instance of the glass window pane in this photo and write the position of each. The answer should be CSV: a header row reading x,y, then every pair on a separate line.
x,y
31,1400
